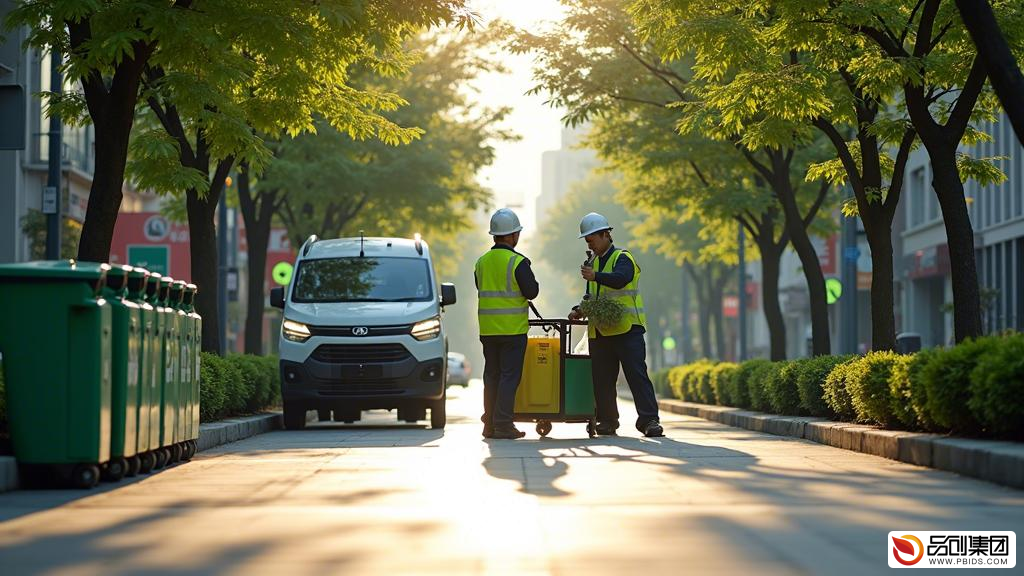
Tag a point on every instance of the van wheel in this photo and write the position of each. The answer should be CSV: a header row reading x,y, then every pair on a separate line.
x,y
438,414
294,417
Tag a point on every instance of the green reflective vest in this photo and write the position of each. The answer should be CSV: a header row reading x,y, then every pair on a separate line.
x,y
628,296
502,308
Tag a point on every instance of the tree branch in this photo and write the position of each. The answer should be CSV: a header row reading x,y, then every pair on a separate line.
x,y
813,212
961,115
843,149
899,166
923,45
910,21
653,70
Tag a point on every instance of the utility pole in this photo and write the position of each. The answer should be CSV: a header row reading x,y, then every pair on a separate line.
x,y
222,266
741,238
684,343
51,193
848,298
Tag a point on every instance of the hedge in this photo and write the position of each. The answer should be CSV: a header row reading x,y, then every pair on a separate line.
x,y
974,388
237,384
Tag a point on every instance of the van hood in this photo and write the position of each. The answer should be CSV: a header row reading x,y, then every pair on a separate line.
x,y
361,313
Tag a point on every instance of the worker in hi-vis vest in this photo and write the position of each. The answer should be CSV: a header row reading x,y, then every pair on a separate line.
x,y
617,276
504,283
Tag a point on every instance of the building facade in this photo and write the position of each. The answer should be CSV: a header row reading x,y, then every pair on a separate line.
x,y
997,215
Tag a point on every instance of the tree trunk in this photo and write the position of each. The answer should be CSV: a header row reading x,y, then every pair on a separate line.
x,y
820,338
204,259
883,320
771,257
258,214
717,287
960,236
105,193
703,315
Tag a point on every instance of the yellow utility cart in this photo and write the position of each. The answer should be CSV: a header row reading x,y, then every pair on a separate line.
x,y
556,384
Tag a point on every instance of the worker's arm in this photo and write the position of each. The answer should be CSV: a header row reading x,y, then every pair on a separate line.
x,y
620,275
527,281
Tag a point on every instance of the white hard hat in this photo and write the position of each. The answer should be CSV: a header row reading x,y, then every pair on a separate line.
x,y
593,222
504,222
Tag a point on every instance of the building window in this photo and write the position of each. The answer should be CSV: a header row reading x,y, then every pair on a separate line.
x,y
917,197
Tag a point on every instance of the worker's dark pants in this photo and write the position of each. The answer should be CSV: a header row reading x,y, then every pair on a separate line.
x,y
503,368
607,353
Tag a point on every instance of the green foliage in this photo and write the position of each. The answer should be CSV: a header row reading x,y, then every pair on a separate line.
x,y
908,392
947,382
810,383
781,388
867,381
33,225
661,383
722,379
237,384
758,383
743,393
997,386
837,394
601,311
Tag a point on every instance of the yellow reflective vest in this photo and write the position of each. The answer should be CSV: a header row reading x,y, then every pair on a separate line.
x,y
502,308
628,296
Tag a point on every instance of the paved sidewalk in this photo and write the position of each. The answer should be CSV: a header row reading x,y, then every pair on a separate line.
x,y
399,499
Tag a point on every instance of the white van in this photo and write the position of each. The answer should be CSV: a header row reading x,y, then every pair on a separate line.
x,y
362,330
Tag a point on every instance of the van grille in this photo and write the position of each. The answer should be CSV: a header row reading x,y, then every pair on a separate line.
x,y
360,353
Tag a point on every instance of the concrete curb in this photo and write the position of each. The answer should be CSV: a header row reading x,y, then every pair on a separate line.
x,y
997,461
210,436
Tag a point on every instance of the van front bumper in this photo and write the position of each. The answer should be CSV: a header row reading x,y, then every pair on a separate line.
x,y
365,385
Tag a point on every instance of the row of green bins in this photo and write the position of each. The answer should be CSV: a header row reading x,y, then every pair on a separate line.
x,y
56,337
102,368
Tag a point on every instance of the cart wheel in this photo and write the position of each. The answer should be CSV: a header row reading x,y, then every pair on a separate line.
x,y
543,428
591,429
85,475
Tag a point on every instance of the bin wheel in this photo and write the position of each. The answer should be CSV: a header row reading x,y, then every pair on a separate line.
x,y
175,453
134,465
591,429
147,460
114,470
185,455
543,428
85,475
193,449
161,456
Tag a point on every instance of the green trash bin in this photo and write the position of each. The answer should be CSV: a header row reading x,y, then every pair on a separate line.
x,y
55,336
148,439
154,296
124,395
183,369
197,340
170,373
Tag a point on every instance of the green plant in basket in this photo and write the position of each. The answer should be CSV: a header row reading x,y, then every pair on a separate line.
x,y
601,311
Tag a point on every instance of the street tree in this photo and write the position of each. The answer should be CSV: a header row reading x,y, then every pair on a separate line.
x,y
236,72
597,65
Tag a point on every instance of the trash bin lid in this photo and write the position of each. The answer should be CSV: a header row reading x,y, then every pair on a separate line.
x,y
117,277
56,270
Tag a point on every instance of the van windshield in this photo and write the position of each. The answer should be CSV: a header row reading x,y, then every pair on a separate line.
x,y
363,280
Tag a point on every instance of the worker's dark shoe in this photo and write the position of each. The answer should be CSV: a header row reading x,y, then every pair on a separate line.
x,y
488,431
605,429
507,432
653,429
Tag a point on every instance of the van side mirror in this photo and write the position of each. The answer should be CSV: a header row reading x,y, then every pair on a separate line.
x,y
277,297
447,294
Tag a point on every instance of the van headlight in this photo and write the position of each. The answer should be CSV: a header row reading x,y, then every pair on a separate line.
x,y
295,331
427,329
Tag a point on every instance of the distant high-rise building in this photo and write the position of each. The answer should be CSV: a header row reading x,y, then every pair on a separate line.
x,y
562,168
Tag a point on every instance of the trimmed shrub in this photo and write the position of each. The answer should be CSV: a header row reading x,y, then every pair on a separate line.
x,y
722,378
742,381
867,382
908,393
997,386
781,390
836,394
257,381
211,386
757,385
236,389
702,384
947,382
810,382
675,380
